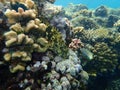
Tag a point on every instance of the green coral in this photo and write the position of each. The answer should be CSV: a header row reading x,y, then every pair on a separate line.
x,y
105,60
57,44
114,85
87,23
115,40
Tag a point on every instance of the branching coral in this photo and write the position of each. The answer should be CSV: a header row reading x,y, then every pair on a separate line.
x,y
71,9
22,40
20,16
90,36
37,54
76,44
105,60
101,11
57,42
87,23
114,85
83,12
21,45
22,3
117,24
28,36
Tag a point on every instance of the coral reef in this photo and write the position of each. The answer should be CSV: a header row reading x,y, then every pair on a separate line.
x,y
20,43
87,23
104,61
75,44
47,9
24,39
48,47
114,85
84,12
101,11
71,9
96,35
99,30
117,24
20,16
91,36
35,51
111,20
57,42
100,17
63,25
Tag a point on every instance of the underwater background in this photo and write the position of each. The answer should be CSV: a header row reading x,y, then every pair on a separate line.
x,y
89,3
59,45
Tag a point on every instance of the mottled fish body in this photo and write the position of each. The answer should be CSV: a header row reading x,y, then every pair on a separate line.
x,y
86,53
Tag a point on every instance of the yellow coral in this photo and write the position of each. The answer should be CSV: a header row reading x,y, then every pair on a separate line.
x,y
10,34
16,68
28,3
17,28
98,33
117,24
10,42
78,29
28,40
32,25
14,16
20,37
42,41
7,57
38,48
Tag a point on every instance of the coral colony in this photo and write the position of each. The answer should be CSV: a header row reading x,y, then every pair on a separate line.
x,y
47,47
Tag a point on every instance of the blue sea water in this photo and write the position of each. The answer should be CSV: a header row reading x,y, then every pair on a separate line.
x,y
90,3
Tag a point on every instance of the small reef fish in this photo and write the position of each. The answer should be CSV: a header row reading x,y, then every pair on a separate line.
x,y
87,54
